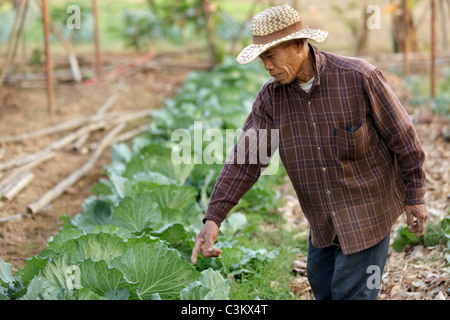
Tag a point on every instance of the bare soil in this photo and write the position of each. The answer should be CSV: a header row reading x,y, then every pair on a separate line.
x,y
25,110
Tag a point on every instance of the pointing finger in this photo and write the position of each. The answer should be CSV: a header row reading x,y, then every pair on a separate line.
x,y
196,251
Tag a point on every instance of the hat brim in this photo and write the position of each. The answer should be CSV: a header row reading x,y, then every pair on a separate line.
x,y
253,51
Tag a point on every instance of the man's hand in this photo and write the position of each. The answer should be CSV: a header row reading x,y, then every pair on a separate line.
x,y
416,215
204,242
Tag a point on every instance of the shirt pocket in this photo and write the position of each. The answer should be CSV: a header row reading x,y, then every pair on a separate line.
x,y
352,145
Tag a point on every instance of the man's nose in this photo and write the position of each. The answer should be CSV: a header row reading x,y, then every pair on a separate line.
x,y
267,64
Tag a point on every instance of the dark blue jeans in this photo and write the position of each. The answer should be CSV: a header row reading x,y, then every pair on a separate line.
x,y
335,276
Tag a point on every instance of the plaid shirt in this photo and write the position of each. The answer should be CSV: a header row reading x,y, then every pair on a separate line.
x,y
348,147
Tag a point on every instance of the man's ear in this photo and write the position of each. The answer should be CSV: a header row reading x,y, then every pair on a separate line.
x,y
300,43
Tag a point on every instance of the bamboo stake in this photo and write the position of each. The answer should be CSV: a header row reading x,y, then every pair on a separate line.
x,y
12,40
48,63
60,143
132,133
12,217
118,71
98,62
65,126
108,104
443,25
20,32
7,180
56,145
10,191
18,185
75,123
73,61
405,38
210,30
37,206
433,49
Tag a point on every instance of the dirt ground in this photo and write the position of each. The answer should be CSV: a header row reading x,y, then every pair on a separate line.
x,y
26,110
416,273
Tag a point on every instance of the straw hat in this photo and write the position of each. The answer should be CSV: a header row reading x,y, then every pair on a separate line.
x,y
274,26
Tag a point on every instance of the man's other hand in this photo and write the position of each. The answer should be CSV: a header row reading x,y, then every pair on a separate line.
x,y
204,242
416,216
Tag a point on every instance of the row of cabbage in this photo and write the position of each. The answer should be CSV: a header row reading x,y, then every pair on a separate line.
x,y
135,234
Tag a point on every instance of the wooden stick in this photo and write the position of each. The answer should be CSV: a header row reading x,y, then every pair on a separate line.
x,y
12,217
443,25
72,56
12,41
405,40
98,61
14,188
72,124
48,62
108,104
36,207
210,30
20,32
56,145
11,190
24,168
132,133
118,71
68,125
73,61
433,50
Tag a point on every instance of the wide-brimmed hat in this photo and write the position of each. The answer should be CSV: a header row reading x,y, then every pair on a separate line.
x,y
274,26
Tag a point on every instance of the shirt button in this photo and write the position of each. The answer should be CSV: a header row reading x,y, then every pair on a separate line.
x,y
333,213
318,148
324,169
328,192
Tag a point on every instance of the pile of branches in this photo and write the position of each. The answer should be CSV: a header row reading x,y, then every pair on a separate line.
x,y
17,174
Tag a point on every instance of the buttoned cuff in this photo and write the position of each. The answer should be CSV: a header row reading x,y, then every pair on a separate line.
x,y
416,196
216,214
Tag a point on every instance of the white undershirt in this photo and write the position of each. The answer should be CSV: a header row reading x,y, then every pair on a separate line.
x,y
307,86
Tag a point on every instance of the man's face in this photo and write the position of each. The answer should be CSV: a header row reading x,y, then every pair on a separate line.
x,y
284,61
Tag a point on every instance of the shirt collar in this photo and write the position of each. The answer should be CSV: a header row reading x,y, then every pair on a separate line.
x,y
319,63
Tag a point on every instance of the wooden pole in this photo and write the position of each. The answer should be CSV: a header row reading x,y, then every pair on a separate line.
x,y
13,40
98,62
73,61
443,25
433,49
405,38
48,62
210,30
21,27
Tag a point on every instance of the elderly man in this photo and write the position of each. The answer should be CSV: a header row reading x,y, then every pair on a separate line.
x,y
348,147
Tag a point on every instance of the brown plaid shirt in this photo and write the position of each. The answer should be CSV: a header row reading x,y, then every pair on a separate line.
x,y
348,147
